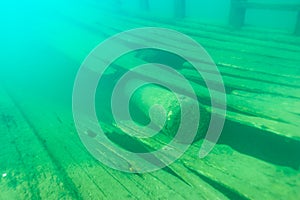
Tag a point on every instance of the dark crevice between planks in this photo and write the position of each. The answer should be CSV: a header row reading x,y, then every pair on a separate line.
x,y
261,144
133,145
94,29
230,89
132,195
30,178
252,141
172,172
223,189
242,112
69,184
87,174
259,34
188,32
255,78
253,115
249,52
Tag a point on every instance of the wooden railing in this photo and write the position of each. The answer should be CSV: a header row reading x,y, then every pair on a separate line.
x,y
237,10
239,7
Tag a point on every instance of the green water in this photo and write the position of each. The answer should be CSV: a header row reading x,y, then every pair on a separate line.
x,y
43,45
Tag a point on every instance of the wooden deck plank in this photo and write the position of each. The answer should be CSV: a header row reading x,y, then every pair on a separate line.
x,y
223,58
262,35
243,107
165,181
260,47
245,174
249,85
74,159
231,174
211,178
30,171
253,57
247,105
246,33
85,171
200,187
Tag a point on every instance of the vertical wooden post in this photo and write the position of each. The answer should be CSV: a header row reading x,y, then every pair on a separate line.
x,y
144,5
297,27
179,8
237,13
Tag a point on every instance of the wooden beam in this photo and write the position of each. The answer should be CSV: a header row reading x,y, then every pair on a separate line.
x,y
239,7
297,27
179,8
237,13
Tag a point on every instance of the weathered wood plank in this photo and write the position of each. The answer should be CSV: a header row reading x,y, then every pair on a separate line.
x,y
262,86
228,175
226,167
245,174
242,104
274,126
244,65
249,85
240,51
245,105
270,126
226,65
160,184
78,165
243,60
29,170
246,33
198,185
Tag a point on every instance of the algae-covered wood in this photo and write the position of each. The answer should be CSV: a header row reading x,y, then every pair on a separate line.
x,y
256,157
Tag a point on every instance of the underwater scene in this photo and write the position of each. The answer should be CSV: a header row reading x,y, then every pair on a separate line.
x,y
150,99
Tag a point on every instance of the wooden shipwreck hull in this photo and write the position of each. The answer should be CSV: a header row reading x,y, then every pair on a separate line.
x,y
257,156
